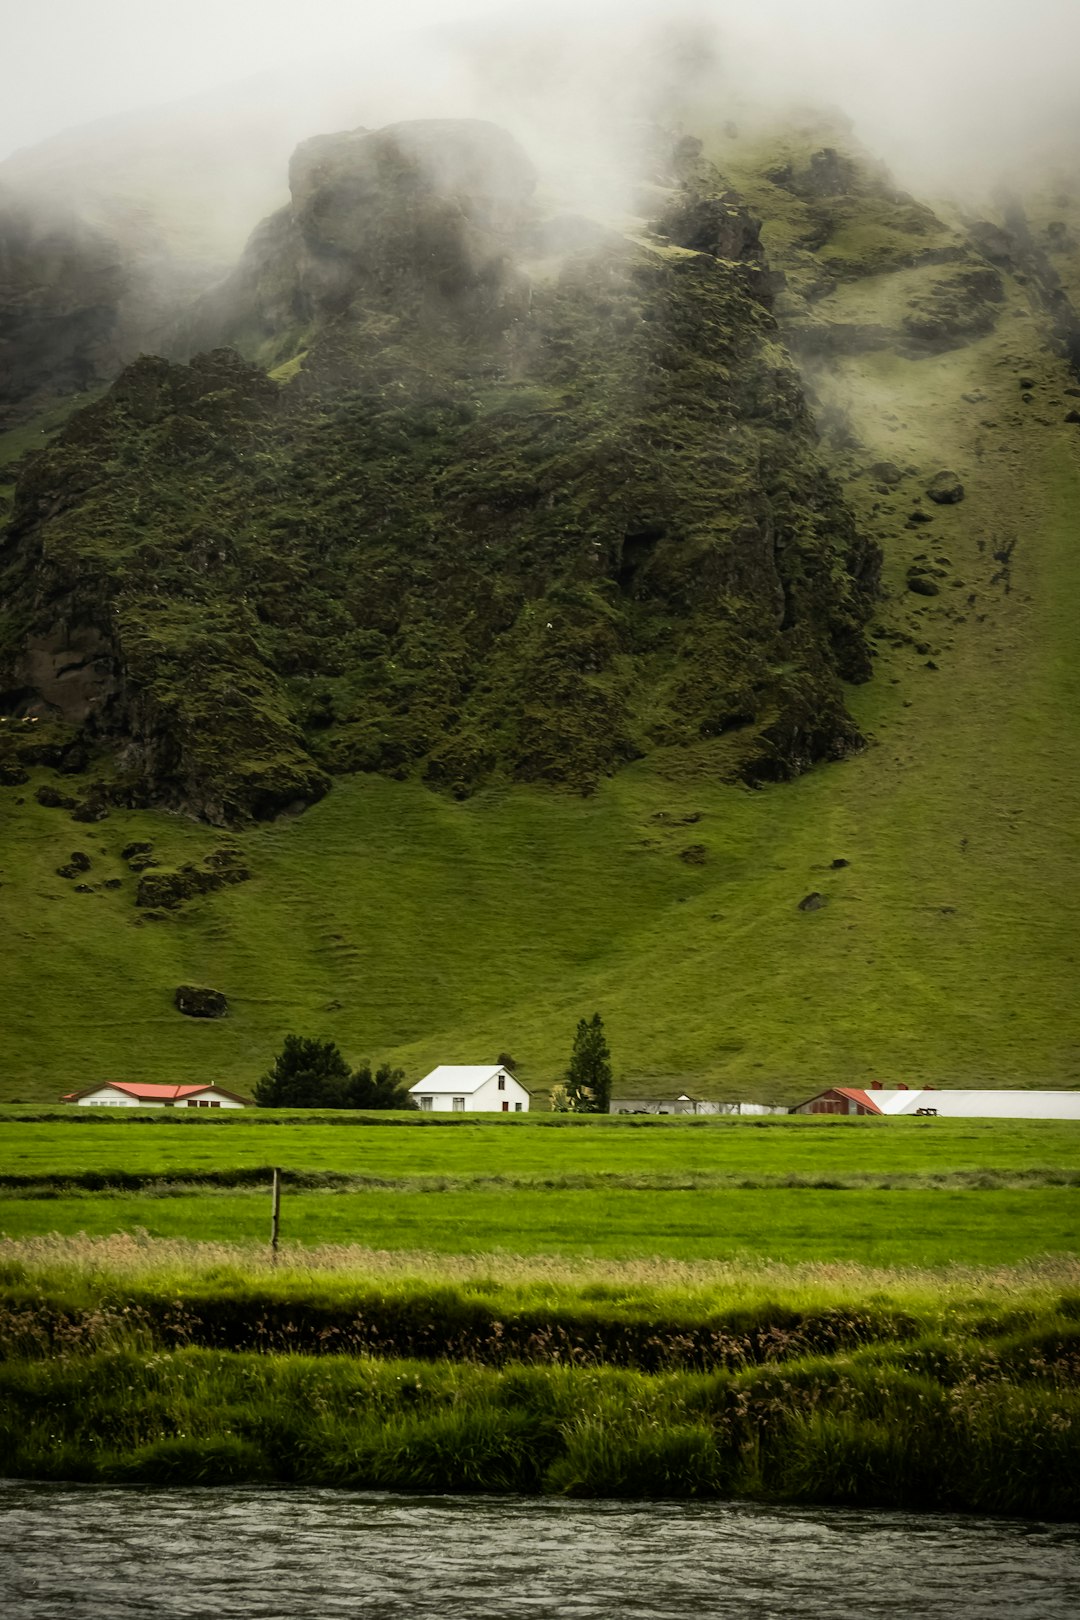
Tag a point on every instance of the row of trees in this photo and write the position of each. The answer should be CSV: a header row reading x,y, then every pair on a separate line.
x,y
314,1074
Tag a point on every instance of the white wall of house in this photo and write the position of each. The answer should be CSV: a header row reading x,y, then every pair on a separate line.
x,y
105,1097
511,1098
208,1099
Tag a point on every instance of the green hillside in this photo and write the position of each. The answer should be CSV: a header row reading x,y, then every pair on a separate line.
x,y
413,926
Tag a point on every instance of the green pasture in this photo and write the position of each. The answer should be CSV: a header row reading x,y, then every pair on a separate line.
x,y
536,1147
863,1226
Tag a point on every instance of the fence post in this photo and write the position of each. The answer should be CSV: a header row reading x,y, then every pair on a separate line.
x,y
275,1214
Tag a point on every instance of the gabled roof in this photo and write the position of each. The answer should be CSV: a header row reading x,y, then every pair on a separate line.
x,y
149,1093
460,1078
863,1098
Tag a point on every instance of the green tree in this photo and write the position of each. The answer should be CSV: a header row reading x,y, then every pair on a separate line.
x,y
305,1074
588,1079
385,1089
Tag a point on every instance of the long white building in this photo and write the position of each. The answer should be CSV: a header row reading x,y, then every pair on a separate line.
x,y
947,1103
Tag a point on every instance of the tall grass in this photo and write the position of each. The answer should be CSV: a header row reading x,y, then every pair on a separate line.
x,y
809,1431
128,1360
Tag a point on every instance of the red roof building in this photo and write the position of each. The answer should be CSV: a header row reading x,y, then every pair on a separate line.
x,y
135,1094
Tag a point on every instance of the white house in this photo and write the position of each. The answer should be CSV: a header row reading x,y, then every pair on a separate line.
x,y
685,1104
946,1103
133,1094
470,1088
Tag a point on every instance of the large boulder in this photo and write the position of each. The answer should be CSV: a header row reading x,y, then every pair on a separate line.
x,y
194,1001
945,489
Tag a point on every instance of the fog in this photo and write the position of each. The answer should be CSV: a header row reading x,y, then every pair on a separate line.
x,y
949,92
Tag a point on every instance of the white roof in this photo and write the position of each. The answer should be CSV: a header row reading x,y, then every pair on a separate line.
x,y
1002,1104
458,1078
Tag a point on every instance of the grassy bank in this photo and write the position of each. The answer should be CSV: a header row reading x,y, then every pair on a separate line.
x,y
955,1391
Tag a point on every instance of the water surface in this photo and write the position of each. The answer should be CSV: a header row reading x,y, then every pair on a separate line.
x,y
250,1553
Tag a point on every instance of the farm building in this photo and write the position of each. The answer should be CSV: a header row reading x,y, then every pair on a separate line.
x,y
132,1094
948,1104
685,1104
470,1088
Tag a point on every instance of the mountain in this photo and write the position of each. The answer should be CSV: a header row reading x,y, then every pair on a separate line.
x,y
544,556
522,500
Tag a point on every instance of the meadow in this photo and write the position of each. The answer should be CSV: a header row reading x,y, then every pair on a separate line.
x,y
790,1188
78,1142
982,1228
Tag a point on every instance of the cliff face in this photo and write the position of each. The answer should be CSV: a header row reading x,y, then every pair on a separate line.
x,y
524,498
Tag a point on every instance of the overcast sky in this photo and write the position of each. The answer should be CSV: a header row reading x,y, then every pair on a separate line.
x,y
962,71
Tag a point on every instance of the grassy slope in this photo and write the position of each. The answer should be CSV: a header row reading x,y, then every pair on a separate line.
x,y
411,927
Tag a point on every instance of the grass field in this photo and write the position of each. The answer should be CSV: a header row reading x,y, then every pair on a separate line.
x,y
540,1147
864,1226
891,1192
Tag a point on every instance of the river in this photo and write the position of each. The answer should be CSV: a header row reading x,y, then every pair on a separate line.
x,y
99,1553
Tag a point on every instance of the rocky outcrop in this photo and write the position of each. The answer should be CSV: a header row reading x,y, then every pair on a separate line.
x,y
423,217
535,499
167,890
195,1001
955,309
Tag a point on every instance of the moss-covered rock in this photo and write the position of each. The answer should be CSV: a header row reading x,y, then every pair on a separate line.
x,y
196,1001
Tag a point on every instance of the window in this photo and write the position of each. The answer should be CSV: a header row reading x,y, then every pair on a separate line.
x,y
502,1082
517,1108
425,1105
506,1108
458,1105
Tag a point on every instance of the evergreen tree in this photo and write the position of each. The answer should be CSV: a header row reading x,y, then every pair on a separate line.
x,y
385,1089
588,1079
305,1074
